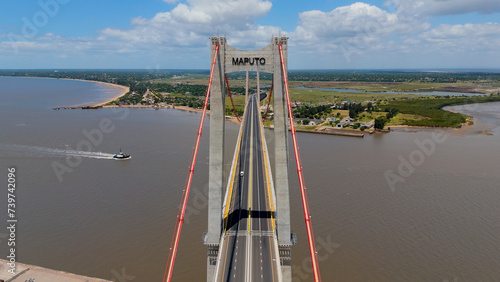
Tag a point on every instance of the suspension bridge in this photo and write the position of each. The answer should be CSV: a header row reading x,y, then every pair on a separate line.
x,y
248,236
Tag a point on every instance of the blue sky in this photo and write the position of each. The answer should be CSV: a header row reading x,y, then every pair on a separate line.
x,y
170,34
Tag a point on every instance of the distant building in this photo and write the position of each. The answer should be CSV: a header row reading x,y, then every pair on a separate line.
x,y
345,121
315,122
263,108
311,121
366,125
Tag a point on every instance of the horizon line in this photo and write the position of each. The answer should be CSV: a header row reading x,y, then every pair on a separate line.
x,y
298,69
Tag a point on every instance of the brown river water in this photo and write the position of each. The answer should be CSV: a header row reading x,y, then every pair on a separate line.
x,y
410,205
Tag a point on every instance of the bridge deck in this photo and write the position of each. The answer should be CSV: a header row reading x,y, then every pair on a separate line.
x,y
249,247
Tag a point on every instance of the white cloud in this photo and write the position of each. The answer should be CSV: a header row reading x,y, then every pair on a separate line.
x,y
190,24
420,8
357,35
446,31
168,36
360,26
465,37
253,37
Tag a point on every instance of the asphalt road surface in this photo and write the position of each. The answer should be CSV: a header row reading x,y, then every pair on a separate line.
x,y
249,248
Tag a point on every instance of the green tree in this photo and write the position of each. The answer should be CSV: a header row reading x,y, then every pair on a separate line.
x,y
391,113
355,109
380,122
369,107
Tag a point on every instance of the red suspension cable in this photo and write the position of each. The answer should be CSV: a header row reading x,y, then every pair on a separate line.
x,y
231,96
189,178
307,215
269,101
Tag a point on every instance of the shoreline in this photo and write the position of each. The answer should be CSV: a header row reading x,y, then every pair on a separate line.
x,y
336,132
124,89
325,131
181,108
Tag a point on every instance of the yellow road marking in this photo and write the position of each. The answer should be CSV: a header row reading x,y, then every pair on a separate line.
x,y
231,184
226,212
250,177
264,156
264,152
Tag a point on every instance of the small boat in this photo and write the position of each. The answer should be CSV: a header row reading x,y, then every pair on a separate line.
x,y
121,156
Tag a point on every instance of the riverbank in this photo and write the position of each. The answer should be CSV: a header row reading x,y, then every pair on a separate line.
x,y
450,119
333,131
181,108
124,89
26,272
463,130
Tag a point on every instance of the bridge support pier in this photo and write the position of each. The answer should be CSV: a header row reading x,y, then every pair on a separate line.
x,y
286,263
267,59
212,253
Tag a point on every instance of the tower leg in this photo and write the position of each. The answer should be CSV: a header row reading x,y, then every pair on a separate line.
x,y
281,149
216,156
246,90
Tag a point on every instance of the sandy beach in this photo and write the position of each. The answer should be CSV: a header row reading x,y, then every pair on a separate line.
x,y
124,90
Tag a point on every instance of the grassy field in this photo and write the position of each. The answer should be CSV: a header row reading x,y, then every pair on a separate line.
x,y
395,87
320,96
306,127
198,79
431,113
414,109
404,119
465,86
239,101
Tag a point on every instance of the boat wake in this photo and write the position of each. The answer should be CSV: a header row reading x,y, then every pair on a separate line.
x,y
7,150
